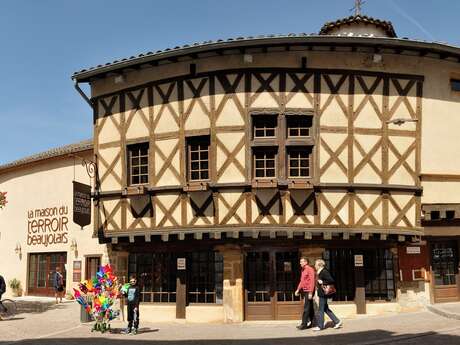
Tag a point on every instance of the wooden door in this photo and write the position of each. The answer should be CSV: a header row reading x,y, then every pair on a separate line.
x,y
271,278
444,265
92,266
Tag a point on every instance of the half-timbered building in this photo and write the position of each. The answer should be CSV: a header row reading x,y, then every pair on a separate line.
x,y
220,163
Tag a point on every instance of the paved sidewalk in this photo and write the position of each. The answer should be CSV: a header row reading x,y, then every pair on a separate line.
x,y
61,326
449,310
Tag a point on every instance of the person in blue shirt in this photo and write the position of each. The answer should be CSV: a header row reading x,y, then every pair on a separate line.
x,y
132,295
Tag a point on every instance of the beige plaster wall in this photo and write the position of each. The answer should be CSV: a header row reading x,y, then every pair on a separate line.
x,y
441,192
42,185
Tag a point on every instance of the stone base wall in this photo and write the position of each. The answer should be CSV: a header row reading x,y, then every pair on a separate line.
x,y
233,299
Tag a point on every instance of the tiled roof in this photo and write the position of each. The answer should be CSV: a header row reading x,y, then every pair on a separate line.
x,y
385,25
55,152
84,75
192,45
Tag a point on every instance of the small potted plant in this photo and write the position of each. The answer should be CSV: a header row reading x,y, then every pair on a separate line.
x,y
15,286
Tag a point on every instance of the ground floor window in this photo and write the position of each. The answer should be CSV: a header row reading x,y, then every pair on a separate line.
x,y
157,274
41,272
205,278
340,263
378,272
444,262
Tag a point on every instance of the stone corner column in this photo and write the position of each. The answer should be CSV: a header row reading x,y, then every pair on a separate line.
x,y
312,253
233,301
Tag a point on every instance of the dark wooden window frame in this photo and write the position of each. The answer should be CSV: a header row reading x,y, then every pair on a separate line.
x,y
260,118
299,127
282,143
299,168
264,149
156,275
205,278
129,167
198,139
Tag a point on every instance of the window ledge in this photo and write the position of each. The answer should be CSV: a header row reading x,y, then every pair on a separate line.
x,y
264,142
134,190
300,184
197,186
265,183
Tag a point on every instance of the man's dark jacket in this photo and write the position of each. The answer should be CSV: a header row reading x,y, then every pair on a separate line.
x,y
2,285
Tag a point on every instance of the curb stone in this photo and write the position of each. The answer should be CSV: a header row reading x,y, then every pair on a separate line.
x,y
443,313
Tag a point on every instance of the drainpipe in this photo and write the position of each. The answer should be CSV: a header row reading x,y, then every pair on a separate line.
x,y
82,94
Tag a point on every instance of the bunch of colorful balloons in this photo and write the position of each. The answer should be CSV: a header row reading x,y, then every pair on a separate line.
x,y
100,294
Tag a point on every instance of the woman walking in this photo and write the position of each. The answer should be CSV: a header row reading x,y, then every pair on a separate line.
x,y
324,289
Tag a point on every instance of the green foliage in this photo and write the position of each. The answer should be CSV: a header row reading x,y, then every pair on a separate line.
x,y
14,284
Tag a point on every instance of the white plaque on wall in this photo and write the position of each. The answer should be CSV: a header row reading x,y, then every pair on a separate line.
x,y
413,250
181,264
359,260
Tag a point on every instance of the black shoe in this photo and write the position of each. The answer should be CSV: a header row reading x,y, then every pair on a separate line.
x,y
301,327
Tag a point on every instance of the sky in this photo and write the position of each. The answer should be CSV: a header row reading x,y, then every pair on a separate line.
x,y
43,42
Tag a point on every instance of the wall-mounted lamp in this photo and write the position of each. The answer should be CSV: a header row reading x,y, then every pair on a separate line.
x,y
18,249
73,245
400,121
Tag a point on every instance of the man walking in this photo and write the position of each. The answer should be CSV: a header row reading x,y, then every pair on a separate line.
x,y
306,288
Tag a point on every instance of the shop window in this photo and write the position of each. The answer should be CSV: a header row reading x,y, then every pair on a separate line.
x,y
340,263
198,158
264,162
205,280
299,125
444,263
264,126
455,85
299,162
378,274
138,164
156,274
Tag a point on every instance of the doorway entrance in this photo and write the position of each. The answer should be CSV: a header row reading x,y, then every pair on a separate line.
x,y
41,272
271,277
444,265
92,266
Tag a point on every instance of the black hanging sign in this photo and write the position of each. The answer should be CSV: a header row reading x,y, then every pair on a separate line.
x,y
81,204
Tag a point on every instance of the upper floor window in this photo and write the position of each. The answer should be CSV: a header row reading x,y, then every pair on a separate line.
x,y
299,125
264,162
455,84
198,158
264,126
138,163
299,161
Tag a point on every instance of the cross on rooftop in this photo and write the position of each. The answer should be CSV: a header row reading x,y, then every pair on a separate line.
x,y
357,8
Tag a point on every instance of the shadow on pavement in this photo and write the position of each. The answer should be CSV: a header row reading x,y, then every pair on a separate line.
x,y
142,330
12,319
358,338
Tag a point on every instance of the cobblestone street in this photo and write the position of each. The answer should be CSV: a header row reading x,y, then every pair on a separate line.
x,y
61,325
